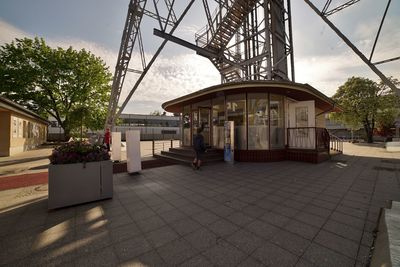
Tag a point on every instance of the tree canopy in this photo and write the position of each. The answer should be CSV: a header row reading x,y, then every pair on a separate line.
x,y
71,86
366,104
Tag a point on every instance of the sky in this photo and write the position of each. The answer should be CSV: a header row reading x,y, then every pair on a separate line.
x,y
322,59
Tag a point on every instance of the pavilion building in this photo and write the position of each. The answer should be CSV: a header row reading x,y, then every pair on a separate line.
x,y
273,120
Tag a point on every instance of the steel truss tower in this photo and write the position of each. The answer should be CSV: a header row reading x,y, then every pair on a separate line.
x,y
132,37
251,39
244,40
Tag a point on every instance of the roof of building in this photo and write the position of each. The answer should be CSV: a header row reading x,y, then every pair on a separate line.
x,y
7,104
293,90
148,117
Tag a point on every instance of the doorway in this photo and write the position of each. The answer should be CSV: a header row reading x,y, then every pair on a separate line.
x,y
204,121
302,132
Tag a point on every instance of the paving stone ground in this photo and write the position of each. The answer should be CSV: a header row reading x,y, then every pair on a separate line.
x,y
246,214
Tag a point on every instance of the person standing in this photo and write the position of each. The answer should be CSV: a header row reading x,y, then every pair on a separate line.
x,y
107,139
199,148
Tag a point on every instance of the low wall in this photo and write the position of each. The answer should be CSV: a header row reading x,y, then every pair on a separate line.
x,y
392,146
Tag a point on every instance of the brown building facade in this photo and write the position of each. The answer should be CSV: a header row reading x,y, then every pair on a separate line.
x,y
20,129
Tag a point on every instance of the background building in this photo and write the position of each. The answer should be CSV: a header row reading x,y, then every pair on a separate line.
x,y
151,127
20,129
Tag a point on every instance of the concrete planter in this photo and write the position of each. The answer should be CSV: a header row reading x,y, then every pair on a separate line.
x,y
77,183
393,146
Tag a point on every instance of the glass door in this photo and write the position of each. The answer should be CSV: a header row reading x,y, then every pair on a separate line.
x,y
204,121
195,124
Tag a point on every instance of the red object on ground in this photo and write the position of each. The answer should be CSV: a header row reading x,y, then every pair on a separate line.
x,y
29,179
17,181
107,138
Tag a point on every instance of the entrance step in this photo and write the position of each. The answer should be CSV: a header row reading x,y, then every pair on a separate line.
x,y
186,155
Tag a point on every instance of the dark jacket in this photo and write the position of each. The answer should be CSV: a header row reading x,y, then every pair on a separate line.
x,y
198,143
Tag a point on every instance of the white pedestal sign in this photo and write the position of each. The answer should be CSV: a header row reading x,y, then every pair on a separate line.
x,y
133,159
116,146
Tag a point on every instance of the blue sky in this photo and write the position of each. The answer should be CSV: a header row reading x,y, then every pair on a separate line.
x,y
321,58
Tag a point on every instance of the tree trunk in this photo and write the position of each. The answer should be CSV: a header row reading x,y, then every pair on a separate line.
x,y
67,134
369,132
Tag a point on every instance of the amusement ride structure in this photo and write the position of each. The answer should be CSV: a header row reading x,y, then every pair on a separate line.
x,y
245,40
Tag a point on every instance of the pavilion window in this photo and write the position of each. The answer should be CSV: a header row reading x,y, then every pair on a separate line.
x,y
236,111
277,122
218,120
257,104
186,125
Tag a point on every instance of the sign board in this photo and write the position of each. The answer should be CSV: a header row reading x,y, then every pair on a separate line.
x,y
229,141
116,146
133,159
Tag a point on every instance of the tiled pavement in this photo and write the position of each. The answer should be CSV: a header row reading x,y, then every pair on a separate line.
x,y
248,214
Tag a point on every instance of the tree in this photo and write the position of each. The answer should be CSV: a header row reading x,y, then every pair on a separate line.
x,y
71,86
155,113
387,116
363,102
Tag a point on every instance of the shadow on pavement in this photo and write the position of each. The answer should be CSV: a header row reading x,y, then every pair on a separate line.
x,y
24,160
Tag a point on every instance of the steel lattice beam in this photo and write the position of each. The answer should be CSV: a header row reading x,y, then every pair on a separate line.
x,y
355,49
245,40
129,37
256,36
338,8
131,33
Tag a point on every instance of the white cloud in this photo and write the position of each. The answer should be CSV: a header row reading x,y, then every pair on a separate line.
x,y
168,78
8,33
172,76
327,73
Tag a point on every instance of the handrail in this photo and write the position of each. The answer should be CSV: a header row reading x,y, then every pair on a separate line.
x,y
336,143
163,145
217,17
202,36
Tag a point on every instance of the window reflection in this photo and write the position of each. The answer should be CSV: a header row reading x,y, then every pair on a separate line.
x,y
195,121
301,114
258,121
218,119
186,125
236,111
277,132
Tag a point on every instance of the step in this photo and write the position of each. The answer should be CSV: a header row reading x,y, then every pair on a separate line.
x,y
191,156
184,161
189,150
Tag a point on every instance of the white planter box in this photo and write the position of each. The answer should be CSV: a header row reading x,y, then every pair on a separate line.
x,y
71,184
393,146
133,159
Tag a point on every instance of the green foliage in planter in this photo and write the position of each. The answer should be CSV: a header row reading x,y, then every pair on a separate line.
x,y
78,152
